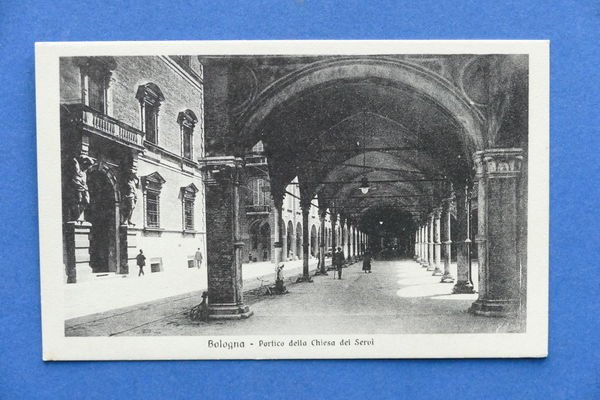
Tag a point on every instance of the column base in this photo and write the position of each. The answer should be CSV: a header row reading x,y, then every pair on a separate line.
x,y
228,311
430,267
437,271
447,278
304,279
495,308
463,287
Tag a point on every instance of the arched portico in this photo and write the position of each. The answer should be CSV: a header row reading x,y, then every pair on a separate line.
x,y
403,132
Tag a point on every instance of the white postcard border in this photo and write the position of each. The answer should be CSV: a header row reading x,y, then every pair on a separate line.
x,y
533,343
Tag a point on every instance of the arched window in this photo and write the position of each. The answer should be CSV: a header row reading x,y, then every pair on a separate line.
x,y
150,98
187,121
188,197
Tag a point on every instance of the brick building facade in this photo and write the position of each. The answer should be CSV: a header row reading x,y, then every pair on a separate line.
x,y
132,132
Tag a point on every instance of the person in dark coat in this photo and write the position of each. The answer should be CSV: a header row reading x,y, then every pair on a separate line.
x,y
339,259
367,263
141,262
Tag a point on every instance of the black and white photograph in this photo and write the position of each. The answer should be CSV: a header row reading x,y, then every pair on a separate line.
x,y
293,199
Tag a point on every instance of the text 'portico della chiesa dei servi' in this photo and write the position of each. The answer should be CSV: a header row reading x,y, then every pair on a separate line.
x,y
414,156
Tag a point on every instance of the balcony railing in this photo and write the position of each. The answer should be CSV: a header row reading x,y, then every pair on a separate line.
x,y
105,125
255,209
256,160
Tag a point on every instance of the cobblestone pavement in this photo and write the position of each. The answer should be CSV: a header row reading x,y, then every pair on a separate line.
x,y
397,297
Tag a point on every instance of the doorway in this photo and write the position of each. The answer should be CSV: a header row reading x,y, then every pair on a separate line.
x,y
102,214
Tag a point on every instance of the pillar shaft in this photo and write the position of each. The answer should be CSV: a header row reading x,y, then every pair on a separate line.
x,y
333,232
498,176
437,243
464,283
430,242
277,234
322,243
447,239
224,244
349,240
305,242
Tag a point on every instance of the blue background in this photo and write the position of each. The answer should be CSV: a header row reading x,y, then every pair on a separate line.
x,y
570,372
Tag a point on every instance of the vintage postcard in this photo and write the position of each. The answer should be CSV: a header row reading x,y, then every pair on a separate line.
x,y
293,199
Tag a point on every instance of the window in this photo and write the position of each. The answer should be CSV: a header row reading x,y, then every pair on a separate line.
x,y
187,142
95,77
152,207
188,209
150,117
187,121
188,198
260,192
97,93
152,186
150,98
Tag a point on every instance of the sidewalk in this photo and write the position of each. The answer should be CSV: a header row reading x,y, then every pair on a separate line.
x,y
110,293
398,297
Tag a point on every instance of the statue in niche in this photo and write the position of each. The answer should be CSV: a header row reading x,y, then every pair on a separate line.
x,y
130,198
79,195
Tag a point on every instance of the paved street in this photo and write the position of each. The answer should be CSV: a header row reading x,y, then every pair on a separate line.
x,y
119,291
398,297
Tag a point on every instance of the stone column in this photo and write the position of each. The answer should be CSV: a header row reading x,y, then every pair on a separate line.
x,y
437,243
416,253
333,217
322,242
349,240
342,243
278,244
223,241
423,246
498,172
430,242
305,205
355,243
464,283
447,239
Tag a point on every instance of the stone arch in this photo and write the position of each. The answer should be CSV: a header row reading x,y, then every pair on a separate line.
x,y
397,72
107,171
104,215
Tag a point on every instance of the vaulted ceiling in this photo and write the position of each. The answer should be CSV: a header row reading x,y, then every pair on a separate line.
x,y
334,136
386,119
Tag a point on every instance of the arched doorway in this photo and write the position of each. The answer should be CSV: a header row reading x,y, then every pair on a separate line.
x,y
289,241
299,240
255,239
313,241
103,214
265,242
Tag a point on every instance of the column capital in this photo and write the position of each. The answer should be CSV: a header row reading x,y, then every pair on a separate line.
x,y
498,163
219,168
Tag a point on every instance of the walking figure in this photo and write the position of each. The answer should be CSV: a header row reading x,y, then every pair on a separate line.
x,y
338,260
367,262
198,258
141,262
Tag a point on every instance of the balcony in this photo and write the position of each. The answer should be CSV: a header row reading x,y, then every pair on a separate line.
x,y
258,209
103,125
256,160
